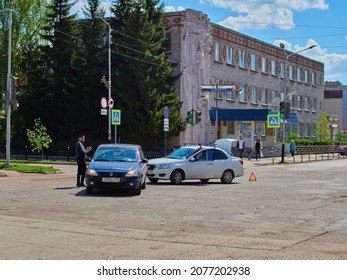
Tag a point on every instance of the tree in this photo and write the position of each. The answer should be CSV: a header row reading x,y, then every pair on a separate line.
x,y
322,127
143,73
38,137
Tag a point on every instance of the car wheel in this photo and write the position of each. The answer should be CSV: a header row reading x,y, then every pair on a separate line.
x,y
137,191
204,180
227,177
176,177
89,190
153,180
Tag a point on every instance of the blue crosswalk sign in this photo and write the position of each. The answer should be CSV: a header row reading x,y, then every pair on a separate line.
x,y
116,117
273,121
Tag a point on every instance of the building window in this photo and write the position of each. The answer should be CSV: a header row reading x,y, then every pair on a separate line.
x,y
313,79
230,95
273,68
264,97
217,52
314,105
306,104
243,97
291,74
264,68
259,129
282,96
298,74
242,59
254,95
254,59
306,76
218,94
282,70
299,99
231,128
229,54
167,42
291,101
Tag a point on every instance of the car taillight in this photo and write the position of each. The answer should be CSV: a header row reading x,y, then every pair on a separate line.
x,y
241,161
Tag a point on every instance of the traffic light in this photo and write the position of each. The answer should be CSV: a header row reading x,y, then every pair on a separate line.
x,y
189,117
15,91
3,101
284,110
196,117
287,111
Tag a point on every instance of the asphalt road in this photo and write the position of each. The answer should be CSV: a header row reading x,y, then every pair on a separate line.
x,y
291,211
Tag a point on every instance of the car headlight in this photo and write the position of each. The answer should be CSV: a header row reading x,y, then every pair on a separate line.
x,y
92,172
164,166
132,173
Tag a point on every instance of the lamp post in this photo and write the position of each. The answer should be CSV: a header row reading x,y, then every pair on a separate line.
x,y
8,92
217,96
109,80
288,55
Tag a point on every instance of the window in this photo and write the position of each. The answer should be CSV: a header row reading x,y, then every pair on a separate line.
x,y
242,59
306,104
282,70
291,76
282,96
218,94
306,76
229,53
314,105
254,95
243,94
313,79
298,74
219,155
264,68
259,129
299,99
264,96
231,128
254,59
217,52
167,42
231,95
273,68
273,95
291,101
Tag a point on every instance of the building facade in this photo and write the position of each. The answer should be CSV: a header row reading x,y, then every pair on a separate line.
x,y
235,81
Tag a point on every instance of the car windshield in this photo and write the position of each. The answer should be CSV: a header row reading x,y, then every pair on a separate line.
x,y
115,154
182,153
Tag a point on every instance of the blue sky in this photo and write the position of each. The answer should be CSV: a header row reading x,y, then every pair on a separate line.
x,y
296,23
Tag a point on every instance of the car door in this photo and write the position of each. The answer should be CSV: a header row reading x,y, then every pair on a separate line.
x,y
220,163
201,165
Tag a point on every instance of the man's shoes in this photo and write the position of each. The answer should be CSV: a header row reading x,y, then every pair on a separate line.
x,y
80,185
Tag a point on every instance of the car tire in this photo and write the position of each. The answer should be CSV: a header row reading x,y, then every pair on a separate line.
x,y
138,190
89,190
204,180
176,177
227,177
153,180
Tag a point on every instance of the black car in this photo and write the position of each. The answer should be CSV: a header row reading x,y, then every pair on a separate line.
x,y
342,150
117,166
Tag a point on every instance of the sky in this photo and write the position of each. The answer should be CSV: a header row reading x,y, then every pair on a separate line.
x,y
297,24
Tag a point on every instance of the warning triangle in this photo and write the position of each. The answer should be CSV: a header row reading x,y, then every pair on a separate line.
x,y
252,177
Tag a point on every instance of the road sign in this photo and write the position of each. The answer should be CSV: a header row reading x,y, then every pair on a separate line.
x,y
103,103
166,121
116,117
103,112
166,127
273,121
110,103
166,112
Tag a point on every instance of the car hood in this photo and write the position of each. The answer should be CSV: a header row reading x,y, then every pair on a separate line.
x,y
113,165
165,160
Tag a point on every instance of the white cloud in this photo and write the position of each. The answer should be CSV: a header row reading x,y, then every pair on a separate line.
x,y
173,9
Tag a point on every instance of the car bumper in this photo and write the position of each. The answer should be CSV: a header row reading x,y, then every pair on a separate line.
x,y
162,174
124,183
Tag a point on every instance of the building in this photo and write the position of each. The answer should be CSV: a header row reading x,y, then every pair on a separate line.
x,y
335,105
234,81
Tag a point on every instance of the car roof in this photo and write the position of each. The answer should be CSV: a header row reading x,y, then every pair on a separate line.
x,y
133,146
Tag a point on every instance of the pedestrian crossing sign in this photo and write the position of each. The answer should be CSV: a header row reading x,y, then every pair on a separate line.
x,y
273,121
116,117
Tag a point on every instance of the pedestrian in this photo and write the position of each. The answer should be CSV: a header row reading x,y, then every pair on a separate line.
x,y
81,154
292,148
258,147
249,153
241,145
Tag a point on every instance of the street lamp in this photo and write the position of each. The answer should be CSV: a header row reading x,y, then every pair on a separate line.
x,y
109,80
217,96
288,55
8,97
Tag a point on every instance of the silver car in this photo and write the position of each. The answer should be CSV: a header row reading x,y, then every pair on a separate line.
x,y
195,162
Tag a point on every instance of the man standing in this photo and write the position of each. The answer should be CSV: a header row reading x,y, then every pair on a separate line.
x,y
81,153
241,145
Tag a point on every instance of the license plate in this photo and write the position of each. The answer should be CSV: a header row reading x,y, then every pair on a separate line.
x,y
110,180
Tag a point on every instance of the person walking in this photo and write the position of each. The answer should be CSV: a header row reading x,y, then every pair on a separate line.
x,y
258,147
81,153
241,145
292,148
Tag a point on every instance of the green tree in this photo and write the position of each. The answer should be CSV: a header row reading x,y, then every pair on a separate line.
x,y
143,82
38,137
322,127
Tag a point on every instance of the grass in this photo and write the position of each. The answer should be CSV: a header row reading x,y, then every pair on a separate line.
x,y
26,168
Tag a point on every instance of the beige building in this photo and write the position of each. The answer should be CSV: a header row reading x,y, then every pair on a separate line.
x,y
235,81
